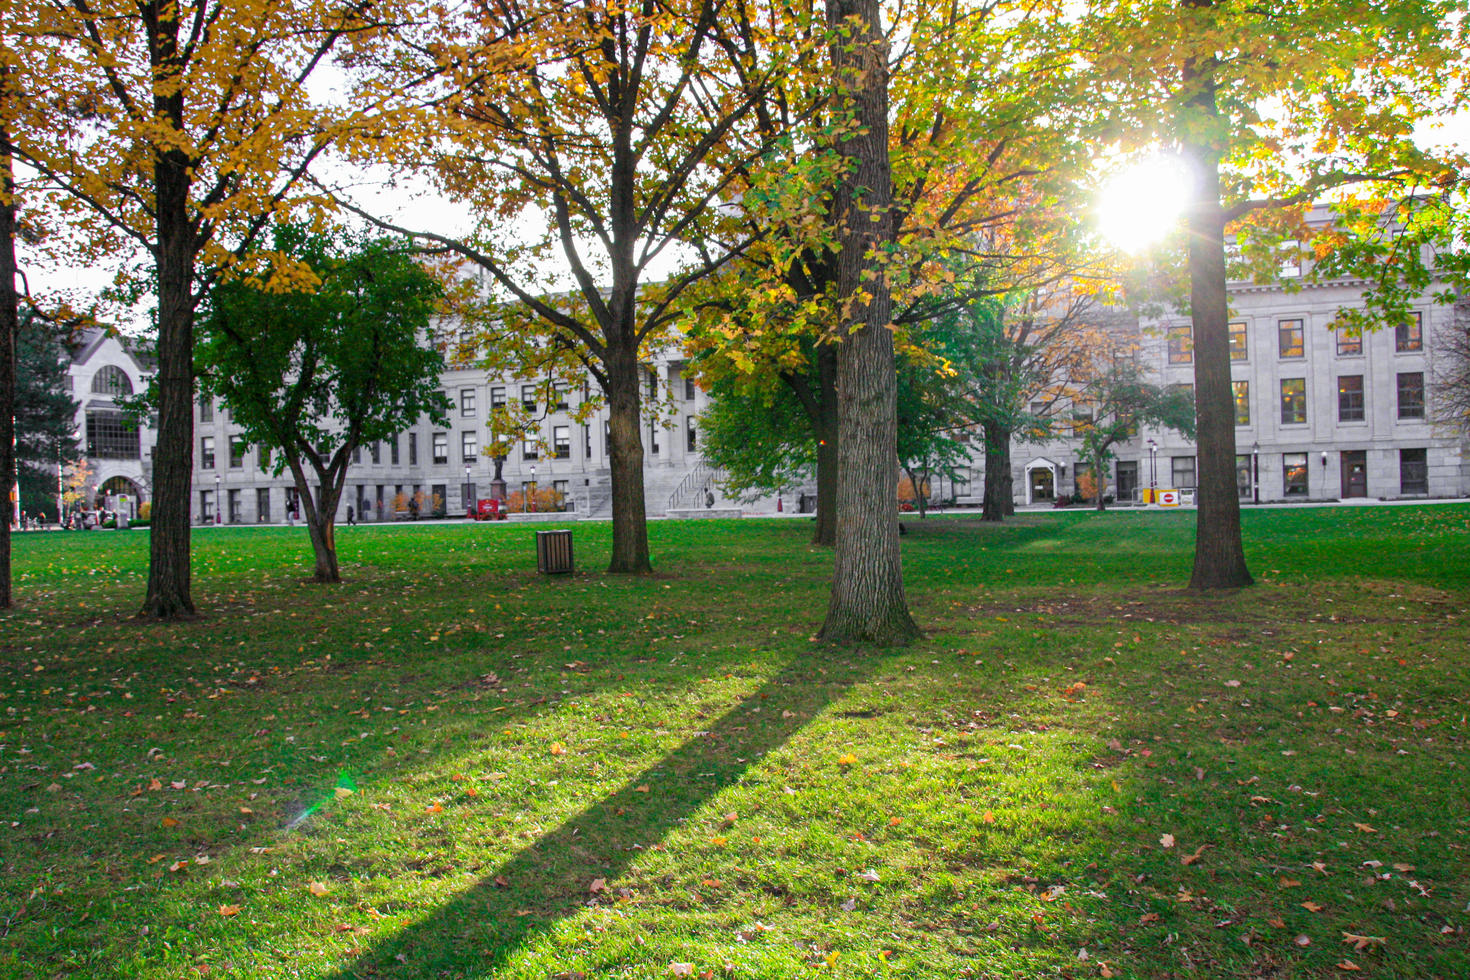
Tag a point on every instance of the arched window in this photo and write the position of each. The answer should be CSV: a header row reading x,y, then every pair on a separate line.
x,y
111,380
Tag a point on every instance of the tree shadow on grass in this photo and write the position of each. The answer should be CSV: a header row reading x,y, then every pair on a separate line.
x,y
480,929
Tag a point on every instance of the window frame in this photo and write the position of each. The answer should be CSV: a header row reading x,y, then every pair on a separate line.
x,y
1289,465
1284,330
1241,351
1240,392
1352,406
1181,344
1420,471
1408,337
469,446
440,442
207,458
467,403
1412,410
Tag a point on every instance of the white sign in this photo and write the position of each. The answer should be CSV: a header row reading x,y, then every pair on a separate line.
x,y
1168,498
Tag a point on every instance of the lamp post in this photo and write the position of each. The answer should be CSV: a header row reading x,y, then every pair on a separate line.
x,y
469,505
1256,472
218,517
531,496
1153,472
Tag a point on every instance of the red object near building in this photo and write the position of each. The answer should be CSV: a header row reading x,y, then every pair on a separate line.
x,y
488,510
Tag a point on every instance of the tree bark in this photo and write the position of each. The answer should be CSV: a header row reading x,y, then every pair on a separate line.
x,y
173,458
828,441
625,427
321,516
867,603
1219,555
9,324
1000,494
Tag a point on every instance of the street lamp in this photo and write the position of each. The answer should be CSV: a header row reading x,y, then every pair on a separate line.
x,y
1153,472
218,518
1256,472
531,496
469,505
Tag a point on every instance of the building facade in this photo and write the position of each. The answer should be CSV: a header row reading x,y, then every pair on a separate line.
x,y
1319,416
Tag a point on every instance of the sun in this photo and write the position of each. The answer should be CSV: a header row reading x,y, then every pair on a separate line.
x,y
1141,204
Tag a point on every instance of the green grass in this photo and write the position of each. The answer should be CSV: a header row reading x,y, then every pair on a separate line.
x,y
450,766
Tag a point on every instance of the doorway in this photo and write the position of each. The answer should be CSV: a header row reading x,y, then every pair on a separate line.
x,y
1354,473
1127,480
1043,485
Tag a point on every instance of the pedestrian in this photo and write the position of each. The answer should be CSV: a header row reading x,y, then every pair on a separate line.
x,y
351,516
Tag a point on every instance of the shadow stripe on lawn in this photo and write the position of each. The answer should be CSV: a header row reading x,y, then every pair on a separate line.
x,y
480,929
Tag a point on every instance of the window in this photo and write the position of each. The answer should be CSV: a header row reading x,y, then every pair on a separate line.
x,y
497,398
1413,471
206,408
467,403
1293,401
206,453
1038,408
691,434
560,488
1407,336
528,397
529,449
1289,338
559,396
206,505
1244,485
1411,395
1294,474
688,389
111,380
413,449
1349,341
441,447
652,386
356,455
111,435
1291,260
561,441
1242,392
1183,471
393,449
1181,345
237,452
653,446
376,452
1350,398
262,505
232,498
587,441
469,444
1239,346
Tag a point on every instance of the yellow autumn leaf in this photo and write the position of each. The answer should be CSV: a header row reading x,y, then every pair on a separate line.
x,y
847,760
317,888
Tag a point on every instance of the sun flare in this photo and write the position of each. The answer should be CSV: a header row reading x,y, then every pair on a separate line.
x,y
1141,204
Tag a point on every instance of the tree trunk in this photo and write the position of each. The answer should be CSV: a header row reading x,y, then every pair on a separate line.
x,y
173,457
867,603
625,427
1219,555
1100,483
1000,493
828,440
9,325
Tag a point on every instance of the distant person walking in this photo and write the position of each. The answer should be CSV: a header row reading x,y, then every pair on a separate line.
x,y
351,516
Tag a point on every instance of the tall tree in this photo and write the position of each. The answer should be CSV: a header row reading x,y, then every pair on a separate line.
x,y
1272,104
867,603
9,312
312,375
621,125
181,127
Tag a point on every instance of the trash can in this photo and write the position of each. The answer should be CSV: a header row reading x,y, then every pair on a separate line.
x,y
553,552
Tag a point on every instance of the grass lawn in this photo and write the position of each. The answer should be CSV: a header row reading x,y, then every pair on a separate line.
x,y
450,766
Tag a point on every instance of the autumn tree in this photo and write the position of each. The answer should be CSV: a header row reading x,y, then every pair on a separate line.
x,y
981,183
9,315
322,352
180,129
614,128
1272,105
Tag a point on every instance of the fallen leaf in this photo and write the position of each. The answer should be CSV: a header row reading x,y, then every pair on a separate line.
x,y
1365,828
434,808
641,789
1349,966
1192,858
558,749
1362,942
1303,940
317,888
598,885
228,910
681,969
1311,906
1166,841
869,875
1289,883
341,792
1148,917
1400,866
987,817
847,760
1275,922
169,822
154,784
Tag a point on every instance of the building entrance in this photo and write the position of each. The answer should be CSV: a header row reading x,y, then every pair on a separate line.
x,y
1354,474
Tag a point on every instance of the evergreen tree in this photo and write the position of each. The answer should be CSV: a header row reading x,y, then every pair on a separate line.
x,y
45,414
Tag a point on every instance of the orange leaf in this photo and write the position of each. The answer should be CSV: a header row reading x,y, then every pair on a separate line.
x,y
847,760
558,749
317,888
228,910
169,822
1349,966
1311,906
434,808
